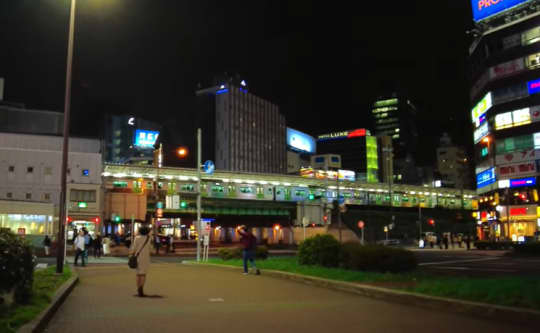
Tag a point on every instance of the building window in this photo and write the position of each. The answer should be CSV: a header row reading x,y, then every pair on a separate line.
x,y
47,196
47,171
68,171
11,168
30,169
9,195
28,196
82,195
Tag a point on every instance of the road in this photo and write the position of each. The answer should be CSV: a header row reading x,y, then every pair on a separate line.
x,y
206,299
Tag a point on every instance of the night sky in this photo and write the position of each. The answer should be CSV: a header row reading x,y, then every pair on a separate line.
x,y
323,63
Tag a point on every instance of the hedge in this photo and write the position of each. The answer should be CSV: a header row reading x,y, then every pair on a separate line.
x,y
376,258
261,253
323,250
17,264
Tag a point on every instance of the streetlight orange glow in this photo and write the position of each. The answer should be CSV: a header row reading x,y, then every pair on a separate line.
x,y
486,140
182,152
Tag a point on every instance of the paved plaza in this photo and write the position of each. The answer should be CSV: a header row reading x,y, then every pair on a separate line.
x,y
190,298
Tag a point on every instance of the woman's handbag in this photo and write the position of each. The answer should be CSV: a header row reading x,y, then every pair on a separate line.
x,y
132,262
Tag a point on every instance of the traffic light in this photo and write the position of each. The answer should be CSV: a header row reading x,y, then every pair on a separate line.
x,y
117,218
183,204
431,222
311,196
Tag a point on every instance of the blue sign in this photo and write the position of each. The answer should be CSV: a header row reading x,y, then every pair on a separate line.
x,y
209,167
534,86
485,178
145,139
523,182
299,141
483,9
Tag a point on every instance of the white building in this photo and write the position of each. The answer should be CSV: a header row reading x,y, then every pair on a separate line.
x,y
30,167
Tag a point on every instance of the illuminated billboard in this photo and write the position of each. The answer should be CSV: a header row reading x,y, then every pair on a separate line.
x,y
300,141
361,132
145,138
485,178
346,175
482,9
481,132
534,86
513,119
481,108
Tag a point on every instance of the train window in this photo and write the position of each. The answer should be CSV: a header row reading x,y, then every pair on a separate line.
x,y
300,193
246,190
269,190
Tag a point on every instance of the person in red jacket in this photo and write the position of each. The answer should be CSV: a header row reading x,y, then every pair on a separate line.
x,y
249,244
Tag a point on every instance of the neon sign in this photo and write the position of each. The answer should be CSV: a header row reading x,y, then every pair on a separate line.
x,y
483,9
481,108
361,132
518,211
523,182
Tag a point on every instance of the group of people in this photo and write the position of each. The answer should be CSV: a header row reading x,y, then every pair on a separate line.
x,y
141,249
168,243
83,242
443,241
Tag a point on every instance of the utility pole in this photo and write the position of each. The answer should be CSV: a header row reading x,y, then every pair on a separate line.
x,y
390,176
62,218
199,194
338,205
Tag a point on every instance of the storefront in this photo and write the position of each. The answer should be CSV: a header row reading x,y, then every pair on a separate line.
x,y
76,223
27,218
523,221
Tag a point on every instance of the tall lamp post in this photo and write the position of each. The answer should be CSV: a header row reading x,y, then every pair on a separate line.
x,y
67,104
390,175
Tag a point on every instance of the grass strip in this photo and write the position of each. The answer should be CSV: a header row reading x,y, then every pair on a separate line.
x,y
46,282
514,291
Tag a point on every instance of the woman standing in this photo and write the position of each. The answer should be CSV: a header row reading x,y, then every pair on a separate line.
x,y
141,249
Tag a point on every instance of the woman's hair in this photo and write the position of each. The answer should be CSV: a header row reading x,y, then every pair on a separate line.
x,y
144,230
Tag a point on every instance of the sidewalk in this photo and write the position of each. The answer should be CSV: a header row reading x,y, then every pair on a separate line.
x,y
191,298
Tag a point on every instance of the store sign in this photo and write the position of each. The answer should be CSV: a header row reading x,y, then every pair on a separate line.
x,y
518,211
482,9
535,113
514,170
344,135
519,156
145,139
481,108
534,86
507,68
300,141
512,119
347,175
485,178
523,182
481,132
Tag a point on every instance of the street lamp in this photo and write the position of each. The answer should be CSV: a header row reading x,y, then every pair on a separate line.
x,y
67,104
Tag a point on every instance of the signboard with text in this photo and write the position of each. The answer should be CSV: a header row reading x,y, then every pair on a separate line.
x,y
145,139
519,156
516,170
483,9
299,141
485,178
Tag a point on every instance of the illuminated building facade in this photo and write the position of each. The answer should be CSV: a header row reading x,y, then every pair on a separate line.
x,y
505,112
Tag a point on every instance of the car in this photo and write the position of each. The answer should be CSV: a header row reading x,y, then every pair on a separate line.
x,y
389,242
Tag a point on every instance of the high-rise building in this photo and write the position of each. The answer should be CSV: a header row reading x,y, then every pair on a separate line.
x,y
505,78
358,151
241,131
452,165
21,120
129,139
395,116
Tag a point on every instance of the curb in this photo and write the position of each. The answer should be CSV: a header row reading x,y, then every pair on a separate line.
x,y
39,323
482,310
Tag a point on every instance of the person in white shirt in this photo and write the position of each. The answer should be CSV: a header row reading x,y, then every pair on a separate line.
x,y
79,247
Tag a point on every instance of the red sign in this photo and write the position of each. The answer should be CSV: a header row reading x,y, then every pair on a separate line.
x,y
517,169
361,224
357,133
518,211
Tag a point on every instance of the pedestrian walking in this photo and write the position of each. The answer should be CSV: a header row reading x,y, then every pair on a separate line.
x,y
79,248
453,239
141,249
460,241
249,245
440,242
87,242
468,242
445,241
98,246
47,245
171,243
167,243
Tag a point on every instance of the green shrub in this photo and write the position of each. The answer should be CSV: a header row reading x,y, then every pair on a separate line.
x,y
376,258
481,245
530,249
489,245
16,266
321,250
261,252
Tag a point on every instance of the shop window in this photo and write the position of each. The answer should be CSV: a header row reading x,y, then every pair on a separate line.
x,y
530,36
533,61
11,168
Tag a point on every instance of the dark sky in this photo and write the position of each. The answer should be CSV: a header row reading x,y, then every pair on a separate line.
x,y
322,63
